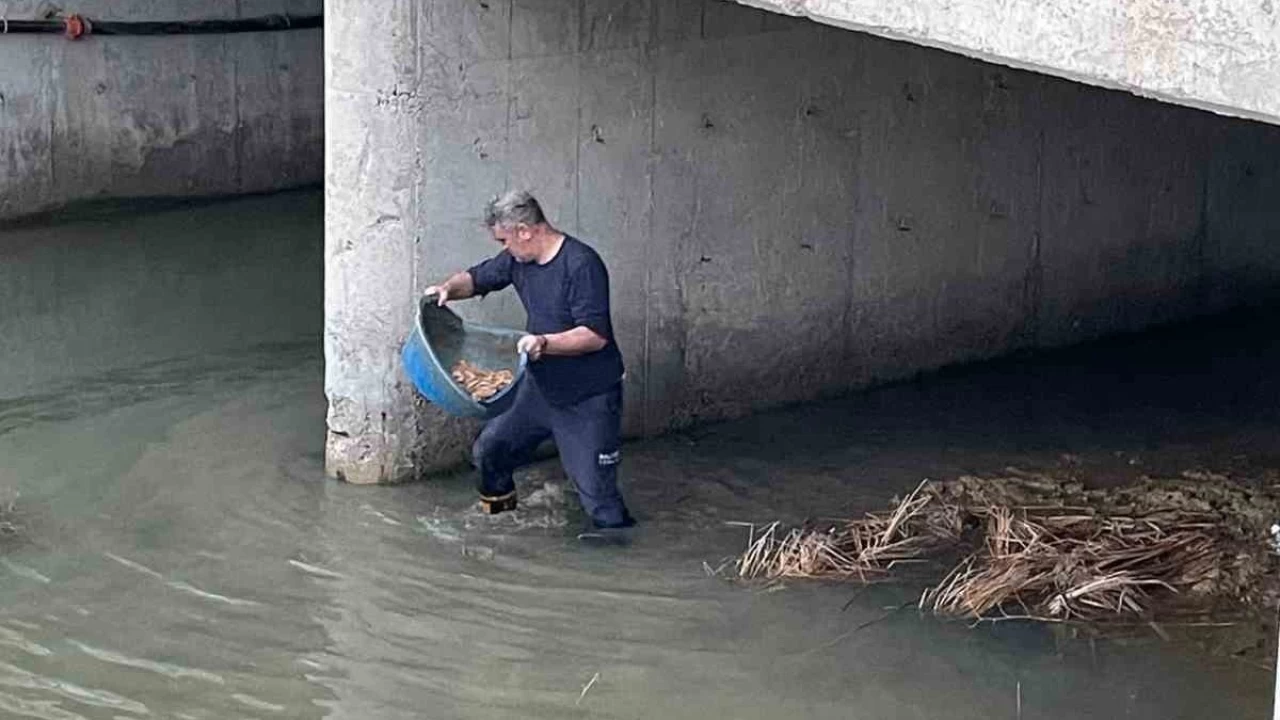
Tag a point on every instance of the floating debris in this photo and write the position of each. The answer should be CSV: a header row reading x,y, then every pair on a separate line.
x,y
481,384
9,514
1044,548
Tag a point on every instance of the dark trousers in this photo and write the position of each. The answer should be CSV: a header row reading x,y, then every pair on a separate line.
x,y
587,434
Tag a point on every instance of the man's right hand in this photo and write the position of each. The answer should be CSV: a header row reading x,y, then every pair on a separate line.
x,y
441,292
459,286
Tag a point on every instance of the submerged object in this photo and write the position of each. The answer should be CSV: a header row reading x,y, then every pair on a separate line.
x,y
440,340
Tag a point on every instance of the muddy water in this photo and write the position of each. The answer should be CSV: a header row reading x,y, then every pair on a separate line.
x,y
182,555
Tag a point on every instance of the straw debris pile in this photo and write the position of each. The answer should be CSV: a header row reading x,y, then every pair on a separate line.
x,y
1038,547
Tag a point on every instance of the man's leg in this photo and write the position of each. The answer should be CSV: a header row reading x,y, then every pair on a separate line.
x,y
508,442
588,436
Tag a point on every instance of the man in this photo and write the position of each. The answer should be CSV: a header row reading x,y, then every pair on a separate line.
x,y
572,391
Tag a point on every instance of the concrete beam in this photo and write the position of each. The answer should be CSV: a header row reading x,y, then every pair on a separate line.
x,y
1219,55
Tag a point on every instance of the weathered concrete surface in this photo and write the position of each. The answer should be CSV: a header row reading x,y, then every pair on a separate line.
x,y
151,116
788,210
1218,55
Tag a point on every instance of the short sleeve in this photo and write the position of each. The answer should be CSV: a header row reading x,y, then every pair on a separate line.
x,y
493,274
589,296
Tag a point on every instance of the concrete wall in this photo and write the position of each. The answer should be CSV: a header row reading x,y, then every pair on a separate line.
x,y
788,210
143,116
1219,55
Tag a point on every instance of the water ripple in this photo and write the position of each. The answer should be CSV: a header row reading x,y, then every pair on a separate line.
x,y
316,570
19,678
13,638
40,709
166,669
23,572
193,590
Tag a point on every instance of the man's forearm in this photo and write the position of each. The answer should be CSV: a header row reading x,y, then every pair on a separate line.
x,y
459,286
578,341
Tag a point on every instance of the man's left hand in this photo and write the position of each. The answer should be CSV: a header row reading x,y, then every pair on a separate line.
x,y
532,345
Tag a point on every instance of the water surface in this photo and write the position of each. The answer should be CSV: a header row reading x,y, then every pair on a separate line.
x,y
182,555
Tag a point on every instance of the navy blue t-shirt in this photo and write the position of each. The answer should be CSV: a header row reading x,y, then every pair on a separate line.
x,y
570,290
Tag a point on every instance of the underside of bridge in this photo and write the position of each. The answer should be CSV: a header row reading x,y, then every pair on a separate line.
x,y
1218,56
790,209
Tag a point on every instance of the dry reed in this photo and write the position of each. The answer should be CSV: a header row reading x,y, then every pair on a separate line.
x,y
1044,548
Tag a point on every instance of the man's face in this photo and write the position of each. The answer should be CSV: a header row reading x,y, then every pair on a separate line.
x,y
518,241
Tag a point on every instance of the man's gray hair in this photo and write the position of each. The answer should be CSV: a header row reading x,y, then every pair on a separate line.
x,y
512,208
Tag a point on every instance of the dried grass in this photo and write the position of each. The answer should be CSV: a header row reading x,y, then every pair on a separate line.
x,y
862,549
1044,548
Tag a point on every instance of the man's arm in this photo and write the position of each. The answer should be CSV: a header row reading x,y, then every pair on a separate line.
x,y
489,276
578,341
459,286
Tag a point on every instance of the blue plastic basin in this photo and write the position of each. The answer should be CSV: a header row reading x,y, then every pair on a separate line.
x,y
439,340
